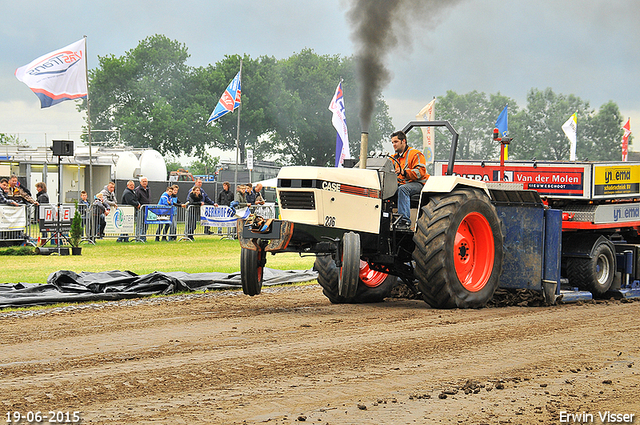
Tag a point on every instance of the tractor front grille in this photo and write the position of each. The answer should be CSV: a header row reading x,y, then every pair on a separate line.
x,y
297,200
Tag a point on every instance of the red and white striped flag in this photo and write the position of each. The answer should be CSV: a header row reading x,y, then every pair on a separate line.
x,y
625,139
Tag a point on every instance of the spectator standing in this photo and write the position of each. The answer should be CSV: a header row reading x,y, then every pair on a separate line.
x,y
249,195
100,212
165,200
4,194
129,198
109,195
194,201
144,198
83,198
16,191
41,198
240,200
83,207
259,199
206,199
225,196
174,220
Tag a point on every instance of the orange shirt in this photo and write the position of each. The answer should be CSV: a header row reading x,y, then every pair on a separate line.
x,y
412,164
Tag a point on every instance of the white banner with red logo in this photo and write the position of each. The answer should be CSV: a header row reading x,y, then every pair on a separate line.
x,y
57,76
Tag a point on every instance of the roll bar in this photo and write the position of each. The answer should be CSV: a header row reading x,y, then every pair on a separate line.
x,y
454,140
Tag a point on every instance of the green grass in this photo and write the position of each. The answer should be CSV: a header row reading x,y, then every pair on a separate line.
x,y
205,254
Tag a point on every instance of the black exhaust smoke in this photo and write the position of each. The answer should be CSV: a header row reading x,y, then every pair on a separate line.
x,y
374,36
379,26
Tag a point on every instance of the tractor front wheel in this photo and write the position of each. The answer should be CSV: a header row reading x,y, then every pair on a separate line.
x,y
251,270
349,272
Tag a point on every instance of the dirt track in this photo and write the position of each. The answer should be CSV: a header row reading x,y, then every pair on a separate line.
x,y
289,356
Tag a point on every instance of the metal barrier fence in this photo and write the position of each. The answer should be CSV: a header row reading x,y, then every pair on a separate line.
x,y
185,224
16,225
26,228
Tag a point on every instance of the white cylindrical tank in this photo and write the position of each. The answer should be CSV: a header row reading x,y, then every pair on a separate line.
x,y
152,166
126,166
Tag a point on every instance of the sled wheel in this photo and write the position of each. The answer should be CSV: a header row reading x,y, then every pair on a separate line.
x,y
459,249
594,274
328,280
251,270
350,271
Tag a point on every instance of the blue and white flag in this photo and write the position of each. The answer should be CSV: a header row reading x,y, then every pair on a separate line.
x,y
339,121
57,76
229,101
502,123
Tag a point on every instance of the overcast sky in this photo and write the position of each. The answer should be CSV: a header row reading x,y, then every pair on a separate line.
x,y
589,48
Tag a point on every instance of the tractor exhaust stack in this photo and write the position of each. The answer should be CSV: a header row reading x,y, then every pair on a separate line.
x,y
364,147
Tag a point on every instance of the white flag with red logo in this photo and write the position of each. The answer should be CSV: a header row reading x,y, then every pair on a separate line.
x,y
625,139
339,121
427,113
57,76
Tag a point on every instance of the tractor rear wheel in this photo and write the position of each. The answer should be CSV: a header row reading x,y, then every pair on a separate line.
x,y
459,250
373,286
251,270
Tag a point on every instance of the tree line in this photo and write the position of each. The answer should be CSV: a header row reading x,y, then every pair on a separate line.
x,y
156,100
536,129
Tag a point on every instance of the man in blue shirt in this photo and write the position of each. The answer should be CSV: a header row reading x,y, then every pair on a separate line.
x,y
165,200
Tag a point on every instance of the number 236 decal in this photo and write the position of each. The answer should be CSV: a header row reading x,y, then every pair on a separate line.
x,y
329,221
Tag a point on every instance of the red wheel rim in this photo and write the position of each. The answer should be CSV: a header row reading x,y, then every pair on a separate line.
x,y
369,277
473,252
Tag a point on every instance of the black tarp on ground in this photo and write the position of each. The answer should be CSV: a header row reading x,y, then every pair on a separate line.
x,y
65,286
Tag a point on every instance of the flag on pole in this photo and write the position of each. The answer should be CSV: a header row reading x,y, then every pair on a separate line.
x,y
339,121
428,114
57,76
625,139
229,101
570,128
502,123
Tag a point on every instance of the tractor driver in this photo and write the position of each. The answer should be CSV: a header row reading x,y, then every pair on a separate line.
x,y
411,169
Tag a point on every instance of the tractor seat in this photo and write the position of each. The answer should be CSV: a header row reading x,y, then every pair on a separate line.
x,y
414,200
